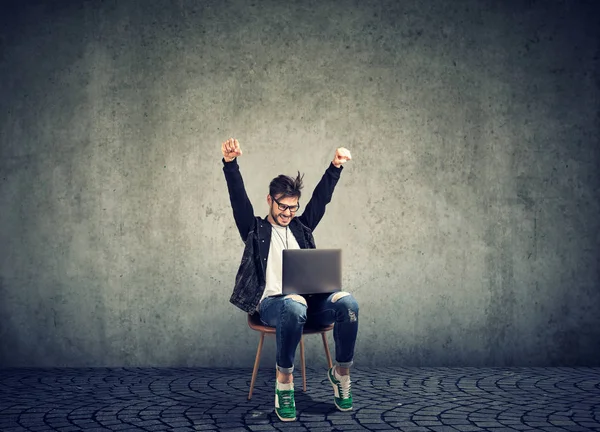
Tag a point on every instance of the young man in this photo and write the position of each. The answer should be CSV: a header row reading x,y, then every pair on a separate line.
x,y
258,281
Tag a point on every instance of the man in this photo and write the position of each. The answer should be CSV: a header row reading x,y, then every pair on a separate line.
x,y
259,278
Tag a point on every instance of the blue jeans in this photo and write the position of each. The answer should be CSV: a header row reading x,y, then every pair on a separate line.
x,y
289,316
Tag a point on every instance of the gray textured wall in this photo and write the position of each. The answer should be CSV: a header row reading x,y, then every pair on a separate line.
x,y
469,216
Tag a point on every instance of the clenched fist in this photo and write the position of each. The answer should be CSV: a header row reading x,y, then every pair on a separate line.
x,y
341,156
231,149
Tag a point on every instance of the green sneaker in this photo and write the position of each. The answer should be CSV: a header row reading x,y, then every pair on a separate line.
x,y
285,406
342,391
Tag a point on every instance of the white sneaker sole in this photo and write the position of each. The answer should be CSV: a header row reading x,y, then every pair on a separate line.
x,y
284,419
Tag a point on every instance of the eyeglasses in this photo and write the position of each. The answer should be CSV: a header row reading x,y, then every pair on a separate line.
x,y
284,207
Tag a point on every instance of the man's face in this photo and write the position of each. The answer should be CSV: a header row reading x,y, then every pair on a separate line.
x,y
282,217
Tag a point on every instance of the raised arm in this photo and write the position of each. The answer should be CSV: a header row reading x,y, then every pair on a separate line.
x,y
243,213
315,209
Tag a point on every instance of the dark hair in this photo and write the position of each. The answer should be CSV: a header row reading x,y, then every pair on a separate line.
x,y
286,186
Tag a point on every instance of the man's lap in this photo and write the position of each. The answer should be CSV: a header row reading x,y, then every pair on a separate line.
x,y
319,309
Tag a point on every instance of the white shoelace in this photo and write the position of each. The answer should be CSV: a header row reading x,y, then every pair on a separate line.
x,y
345,385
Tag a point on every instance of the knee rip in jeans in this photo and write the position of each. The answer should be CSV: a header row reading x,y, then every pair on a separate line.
x,y
297,298
342,294
339,295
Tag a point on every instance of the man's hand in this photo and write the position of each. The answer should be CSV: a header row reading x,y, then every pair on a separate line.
x,y
231,149
342,155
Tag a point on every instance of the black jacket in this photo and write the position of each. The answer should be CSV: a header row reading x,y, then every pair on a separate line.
x,y
256,232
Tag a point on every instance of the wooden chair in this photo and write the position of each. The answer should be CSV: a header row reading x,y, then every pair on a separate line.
x,y
255,323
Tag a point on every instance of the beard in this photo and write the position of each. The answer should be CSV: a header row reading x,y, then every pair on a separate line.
x,y
277,219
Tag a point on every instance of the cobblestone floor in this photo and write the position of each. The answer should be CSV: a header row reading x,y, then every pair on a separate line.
x,y
402,399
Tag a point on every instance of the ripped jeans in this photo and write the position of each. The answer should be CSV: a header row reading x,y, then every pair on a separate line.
x,y
289,315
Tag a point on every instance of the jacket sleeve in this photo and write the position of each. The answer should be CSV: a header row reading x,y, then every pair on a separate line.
x,y
243,213
315,209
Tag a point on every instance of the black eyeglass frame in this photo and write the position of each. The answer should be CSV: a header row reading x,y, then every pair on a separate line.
x,y
285,206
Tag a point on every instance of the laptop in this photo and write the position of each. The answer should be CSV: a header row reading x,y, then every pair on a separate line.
x,y
311,271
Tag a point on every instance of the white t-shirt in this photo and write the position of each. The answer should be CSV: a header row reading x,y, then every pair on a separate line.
x,y
274,268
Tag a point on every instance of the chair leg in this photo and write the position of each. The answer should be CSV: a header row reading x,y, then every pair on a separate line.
x,y
256,364
326,345
303,363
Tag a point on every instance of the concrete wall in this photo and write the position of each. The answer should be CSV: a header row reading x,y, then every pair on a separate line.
x,y
469,215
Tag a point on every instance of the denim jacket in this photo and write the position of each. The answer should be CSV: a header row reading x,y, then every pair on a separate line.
x,y
256,232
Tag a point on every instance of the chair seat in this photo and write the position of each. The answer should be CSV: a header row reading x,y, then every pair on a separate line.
x,y
255,323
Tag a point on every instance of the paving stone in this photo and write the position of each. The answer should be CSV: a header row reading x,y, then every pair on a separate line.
x,y
466,428
376,426
310,424
414,429
175,423
519,426
230,425
350,428
456,421
73,428
487,424
124,426
188,399
156,428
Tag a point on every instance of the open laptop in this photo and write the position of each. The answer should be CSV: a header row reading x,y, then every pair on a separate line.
x,y
311,271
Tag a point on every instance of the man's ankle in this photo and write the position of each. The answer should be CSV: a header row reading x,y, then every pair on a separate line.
x,y
284,378
340,371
